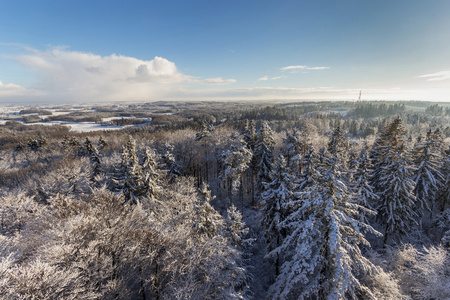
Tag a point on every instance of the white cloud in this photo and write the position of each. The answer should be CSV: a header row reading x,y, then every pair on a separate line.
x,y
317,68
266,78
10,89
443,75
299,67
302,67
214,81
64,75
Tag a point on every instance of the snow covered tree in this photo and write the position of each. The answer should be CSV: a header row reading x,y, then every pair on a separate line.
x,y
149,185
309,164
250,135
129,174
392,135
263,157
294,148
362,192
94,157
443,195
277,194
173,167
236,160
322,254
101,143
204,136
207,221
428,177
234,228
395,184
338,144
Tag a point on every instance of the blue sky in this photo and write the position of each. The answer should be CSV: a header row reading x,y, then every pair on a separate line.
x,y
111,50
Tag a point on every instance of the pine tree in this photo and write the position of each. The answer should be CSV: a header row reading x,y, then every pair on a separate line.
x,y
428,177
264,158
293,150
362,192
395,185
173,167
236,160
207,221
277,194
234,228
392,135
309,173
338,144
250,136
149,183
204,136
129,174
101,143
321,249
94,158
443,195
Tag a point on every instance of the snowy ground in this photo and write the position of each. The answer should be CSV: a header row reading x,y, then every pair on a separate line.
x,y
8,111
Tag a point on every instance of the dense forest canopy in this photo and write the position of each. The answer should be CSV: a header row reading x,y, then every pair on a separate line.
x,y
227,200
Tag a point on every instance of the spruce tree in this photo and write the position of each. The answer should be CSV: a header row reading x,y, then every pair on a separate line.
x,y
428,177
264,158
207,221
294,148
128,178
395,184
236,160
149,182
443,194
309,173
277,194
362,192
322,254
173,167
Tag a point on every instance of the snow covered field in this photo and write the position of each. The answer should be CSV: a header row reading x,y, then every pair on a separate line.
x,y
9,111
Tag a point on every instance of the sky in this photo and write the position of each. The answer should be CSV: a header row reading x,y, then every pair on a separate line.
x,y
54,51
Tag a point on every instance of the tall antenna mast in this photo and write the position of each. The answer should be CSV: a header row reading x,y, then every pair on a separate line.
x,y
359,98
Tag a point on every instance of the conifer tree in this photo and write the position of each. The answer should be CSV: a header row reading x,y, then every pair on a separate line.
x,y
94,158
129,174
322,256
360,185
395,185
101,143
149,186
204,136
362,192
294,148
277,194
264,157
309,173
443,195
234,228
338,146
428,177
207,221
236,160
173,167
250,136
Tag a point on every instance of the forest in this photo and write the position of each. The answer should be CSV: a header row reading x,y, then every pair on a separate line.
x,y
228,200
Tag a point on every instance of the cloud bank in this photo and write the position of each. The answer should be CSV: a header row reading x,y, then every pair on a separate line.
x,y
71,76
